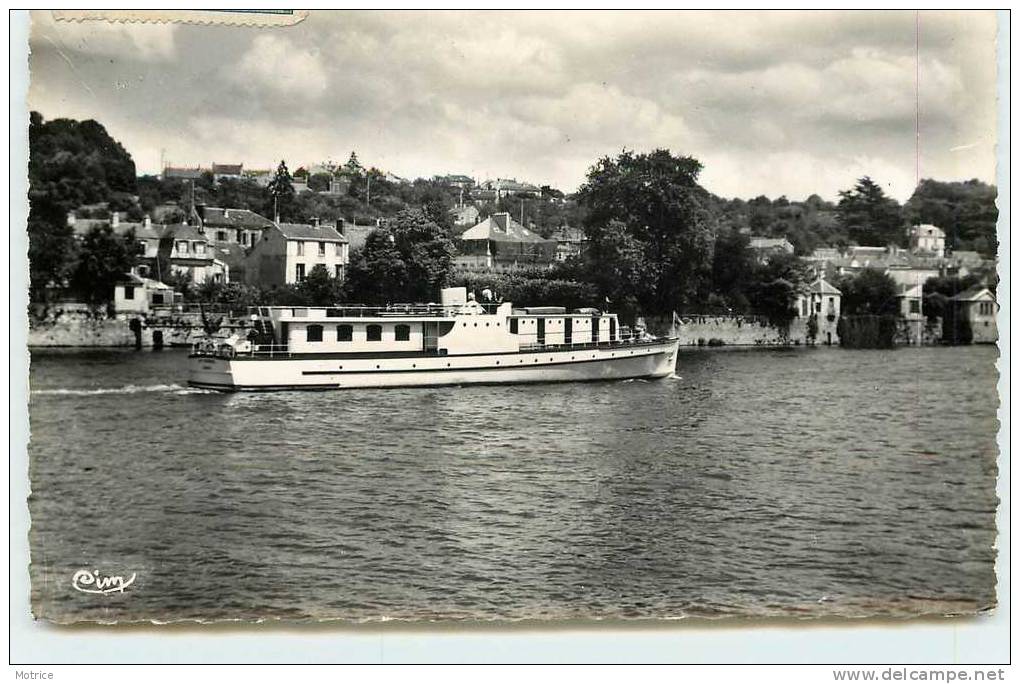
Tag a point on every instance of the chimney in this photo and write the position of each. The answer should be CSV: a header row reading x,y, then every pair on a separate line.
x,y
71,218
502,222
115,219
147,222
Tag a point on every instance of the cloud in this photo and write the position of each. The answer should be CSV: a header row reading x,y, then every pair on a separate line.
x,y
277,66
771,103
119,40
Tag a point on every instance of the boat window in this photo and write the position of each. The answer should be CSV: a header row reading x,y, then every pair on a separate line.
x,y
314,333
513,326
403,333
344,333
374,333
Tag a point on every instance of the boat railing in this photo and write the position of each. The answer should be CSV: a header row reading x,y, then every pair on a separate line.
x,y
362,311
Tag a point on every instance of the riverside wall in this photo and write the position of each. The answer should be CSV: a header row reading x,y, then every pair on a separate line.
x,y
740,331
78,326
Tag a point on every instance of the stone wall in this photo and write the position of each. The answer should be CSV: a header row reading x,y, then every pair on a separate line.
x,y
76,326
740,331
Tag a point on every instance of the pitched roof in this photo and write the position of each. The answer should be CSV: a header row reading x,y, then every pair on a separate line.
x,y
234,218
304,231
972,294
501,228
821,286
927,229
182,172
182,231
227,169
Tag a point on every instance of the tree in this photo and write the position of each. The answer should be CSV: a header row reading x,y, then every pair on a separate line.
x,y
664,213
377,271
281,192
965,211
71,163
870,291
733,266
774,288
869,217
619,267
427,252
103,259
319,288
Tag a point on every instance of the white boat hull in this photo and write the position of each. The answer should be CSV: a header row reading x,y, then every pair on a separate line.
x,y
609,362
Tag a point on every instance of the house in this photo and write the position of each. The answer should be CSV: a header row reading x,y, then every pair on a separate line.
x,y
822,300
465,215
226,171
911,310
238,226
456,181
506,187
183,172
261,177
501,244
356,234
978,306
191,255
927,239
569,242
764,247
289,251
135,294
905,268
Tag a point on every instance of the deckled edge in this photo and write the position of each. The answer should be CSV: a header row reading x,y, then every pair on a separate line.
x,y
247,18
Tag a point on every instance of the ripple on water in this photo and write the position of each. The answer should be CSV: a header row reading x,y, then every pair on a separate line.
x,y
760,483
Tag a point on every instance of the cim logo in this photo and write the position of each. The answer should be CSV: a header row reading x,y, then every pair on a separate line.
x,y
94,582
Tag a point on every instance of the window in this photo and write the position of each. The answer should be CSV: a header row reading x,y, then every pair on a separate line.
x,y
374,333
344,333
157,298
239,236
129,292
300,248
322,249
915,306
314,333
818,306
339,271
221,235
513,326
299,272
199,248
403,333
182,246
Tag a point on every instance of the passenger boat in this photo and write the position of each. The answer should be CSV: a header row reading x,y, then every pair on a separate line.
x,y
457,342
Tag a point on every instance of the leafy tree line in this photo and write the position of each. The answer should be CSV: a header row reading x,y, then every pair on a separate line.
x,y
71,164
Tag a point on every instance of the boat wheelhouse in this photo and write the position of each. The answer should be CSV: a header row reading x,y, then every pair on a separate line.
x,y
459,341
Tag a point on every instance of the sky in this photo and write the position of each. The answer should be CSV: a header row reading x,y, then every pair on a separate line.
x,y
781,103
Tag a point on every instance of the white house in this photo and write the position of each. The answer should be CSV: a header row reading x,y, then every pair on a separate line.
x,y
288,252
928,239
822,300
978,305
135,294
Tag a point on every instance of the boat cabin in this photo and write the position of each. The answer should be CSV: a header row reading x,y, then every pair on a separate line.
x,y
457,326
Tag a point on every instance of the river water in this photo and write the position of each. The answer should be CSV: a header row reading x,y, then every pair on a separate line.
x,y
799,482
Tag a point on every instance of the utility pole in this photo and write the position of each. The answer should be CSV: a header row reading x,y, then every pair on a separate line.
x,y
522,211
368,190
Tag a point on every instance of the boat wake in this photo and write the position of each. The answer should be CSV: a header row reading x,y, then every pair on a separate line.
x,y
127,389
